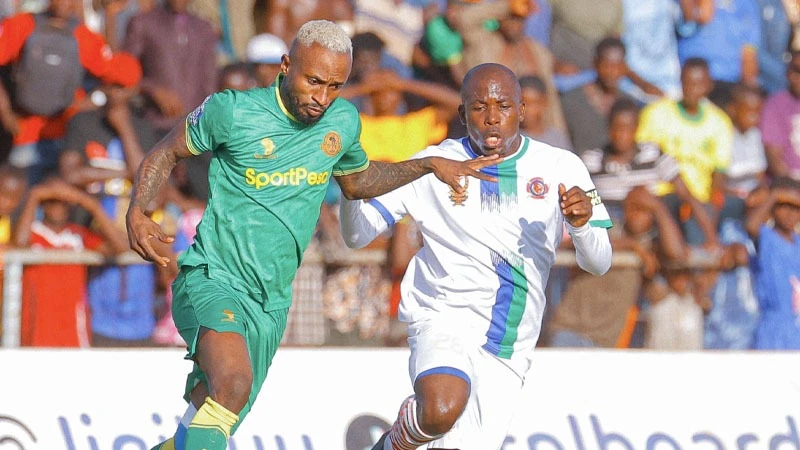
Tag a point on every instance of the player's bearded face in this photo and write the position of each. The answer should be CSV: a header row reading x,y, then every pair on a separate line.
x,y
313,81
300,110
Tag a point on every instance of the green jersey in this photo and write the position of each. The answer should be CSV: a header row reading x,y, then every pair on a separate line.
x,y
267,179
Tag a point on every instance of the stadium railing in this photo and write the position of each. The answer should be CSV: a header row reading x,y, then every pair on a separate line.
x,y
306,319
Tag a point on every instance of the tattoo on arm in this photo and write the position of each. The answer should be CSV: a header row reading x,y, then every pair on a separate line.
x,y
382,177
156,167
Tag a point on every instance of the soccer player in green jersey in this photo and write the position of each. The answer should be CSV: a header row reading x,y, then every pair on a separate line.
x,y
274,152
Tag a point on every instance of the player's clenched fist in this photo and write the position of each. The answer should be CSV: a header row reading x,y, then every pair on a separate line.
x,y
575,205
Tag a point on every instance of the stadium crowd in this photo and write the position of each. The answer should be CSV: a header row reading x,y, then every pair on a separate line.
x,y
686,112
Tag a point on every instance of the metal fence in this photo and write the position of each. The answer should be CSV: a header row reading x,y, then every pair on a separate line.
x,y
307,324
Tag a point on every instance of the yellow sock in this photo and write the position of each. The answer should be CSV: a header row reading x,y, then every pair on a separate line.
x,y
169,444
214,415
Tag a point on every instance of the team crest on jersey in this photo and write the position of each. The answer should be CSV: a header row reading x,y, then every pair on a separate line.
x,y
269,150
595,197
537,187
332,143
459,199
194,116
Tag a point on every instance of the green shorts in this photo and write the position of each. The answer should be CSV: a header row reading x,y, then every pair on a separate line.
x,y
198,301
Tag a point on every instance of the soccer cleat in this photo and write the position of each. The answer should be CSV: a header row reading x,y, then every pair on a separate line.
x,y
379,445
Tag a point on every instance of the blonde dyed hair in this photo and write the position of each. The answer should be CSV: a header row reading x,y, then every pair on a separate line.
x,y
325,33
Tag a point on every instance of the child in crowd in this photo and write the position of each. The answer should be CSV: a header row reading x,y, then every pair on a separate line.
x,y
748,160
534,94
773,226
54,312
603,312
12,190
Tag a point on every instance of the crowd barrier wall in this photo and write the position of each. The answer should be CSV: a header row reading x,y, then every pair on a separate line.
x,y
306,320
334,399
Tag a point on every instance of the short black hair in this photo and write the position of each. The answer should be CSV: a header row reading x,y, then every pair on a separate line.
x,y
367,41
9,171
623,105
695,62
742,90
239,66
606,44
533,82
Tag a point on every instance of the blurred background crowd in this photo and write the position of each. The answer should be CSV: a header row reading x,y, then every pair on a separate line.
x,y
686,112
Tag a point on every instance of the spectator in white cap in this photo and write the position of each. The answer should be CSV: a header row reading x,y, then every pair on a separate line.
x,y
265,51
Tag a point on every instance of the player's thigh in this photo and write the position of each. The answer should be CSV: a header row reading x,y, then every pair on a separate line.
x,y
483,425
199,302
440,365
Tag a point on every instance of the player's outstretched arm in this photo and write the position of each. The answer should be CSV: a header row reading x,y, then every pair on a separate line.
x,y
592,244
382,177
152,174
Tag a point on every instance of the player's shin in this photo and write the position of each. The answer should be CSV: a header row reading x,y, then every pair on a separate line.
x,y
406,433
210,428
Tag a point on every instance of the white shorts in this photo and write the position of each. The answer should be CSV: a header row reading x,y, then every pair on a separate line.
x,y
439,346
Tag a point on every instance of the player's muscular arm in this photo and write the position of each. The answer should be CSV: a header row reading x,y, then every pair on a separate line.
x,y
382,177
152,174
157,166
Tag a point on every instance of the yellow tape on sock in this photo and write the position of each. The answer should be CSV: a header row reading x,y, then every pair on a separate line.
x,y
214,415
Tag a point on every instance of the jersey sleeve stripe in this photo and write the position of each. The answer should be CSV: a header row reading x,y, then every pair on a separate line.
x,y
387,216
605,223
341,173
192,149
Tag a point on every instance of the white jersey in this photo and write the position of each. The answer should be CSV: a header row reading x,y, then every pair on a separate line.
x,y
486,255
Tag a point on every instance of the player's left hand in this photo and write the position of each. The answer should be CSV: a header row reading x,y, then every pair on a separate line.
x,y
452,172
575,205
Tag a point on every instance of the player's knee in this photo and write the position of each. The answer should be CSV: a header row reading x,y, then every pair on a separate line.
x,y
232,389
439,416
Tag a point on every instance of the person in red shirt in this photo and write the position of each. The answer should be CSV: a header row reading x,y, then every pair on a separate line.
x,y
54,312
34,135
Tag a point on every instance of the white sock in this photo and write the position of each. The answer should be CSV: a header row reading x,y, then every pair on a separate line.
x,y
188,415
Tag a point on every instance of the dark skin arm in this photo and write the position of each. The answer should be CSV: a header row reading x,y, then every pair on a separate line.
x,y
152,174
761,213
381,177
59,190
671,245
698,210
776,166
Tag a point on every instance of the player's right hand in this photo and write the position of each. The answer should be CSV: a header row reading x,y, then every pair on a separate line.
x,y
141,229
453,172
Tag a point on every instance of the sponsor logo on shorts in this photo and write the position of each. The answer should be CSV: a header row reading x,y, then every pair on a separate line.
x,y
292,177
229,316
332,143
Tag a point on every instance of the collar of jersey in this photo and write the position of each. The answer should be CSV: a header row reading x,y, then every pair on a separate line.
x,y
277,85
523,148
693,118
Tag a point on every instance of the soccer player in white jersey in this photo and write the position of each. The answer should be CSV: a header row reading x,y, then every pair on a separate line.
x,y
474,294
